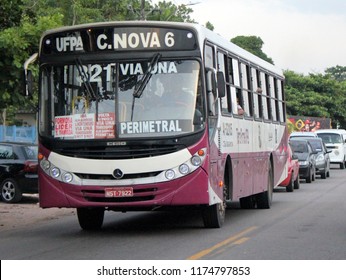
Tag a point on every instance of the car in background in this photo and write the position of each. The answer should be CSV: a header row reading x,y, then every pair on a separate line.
x,y
298,134
322,159
306,158
18,170
335,140
292,180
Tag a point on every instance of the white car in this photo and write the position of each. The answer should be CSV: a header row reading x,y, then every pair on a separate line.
x,y
335,140
297,134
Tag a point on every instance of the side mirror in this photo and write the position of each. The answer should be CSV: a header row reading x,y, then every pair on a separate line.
x,y
211,91
29,83
28,78
294,156
221,84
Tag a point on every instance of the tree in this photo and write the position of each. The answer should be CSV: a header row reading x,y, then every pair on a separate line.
x,y
22,23
10,13
316,95
209,26
338,73
168,11
252,44
16,45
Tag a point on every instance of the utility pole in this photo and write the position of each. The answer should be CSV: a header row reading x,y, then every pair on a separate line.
x,y
142,13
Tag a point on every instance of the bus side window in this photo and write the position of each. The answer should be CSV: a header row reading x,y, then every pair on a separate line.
x,y
222,67
264,97
246,90
268,98
255,95
235,86
281,97
273,98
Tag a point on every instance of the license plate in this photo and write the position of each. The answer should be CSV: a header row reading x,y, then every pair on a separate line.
x,y
119,192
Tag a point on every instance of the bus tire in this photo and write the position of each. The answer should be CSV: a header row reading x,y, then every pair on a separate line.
x,y
214,215
90,218
264,199
248,202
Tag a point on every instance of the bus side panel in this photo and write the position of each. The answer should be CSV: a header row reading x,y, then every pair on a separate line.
x,y
250,145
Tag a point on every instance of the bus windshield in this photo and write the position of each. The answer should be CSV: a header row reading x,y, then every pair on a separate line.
x,y
149,98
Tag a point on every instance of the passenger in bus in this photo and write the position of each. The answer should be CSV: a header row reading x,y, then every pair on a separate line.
x,y
240,109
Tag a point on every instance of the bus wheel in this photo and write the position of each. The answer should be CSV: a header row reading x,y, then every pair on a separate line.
x,y
90,218
248,202
264,199
214,215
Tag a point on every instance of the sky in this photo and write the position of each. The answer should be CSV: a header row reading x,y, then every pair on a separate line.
x,y
305,36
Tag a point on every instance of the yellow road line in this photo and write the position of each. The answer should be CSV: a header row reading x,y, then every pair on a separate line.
x,y
238,239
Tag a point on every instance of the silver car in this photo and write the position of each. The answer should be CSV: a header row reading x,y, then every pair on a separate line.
x,y
322,159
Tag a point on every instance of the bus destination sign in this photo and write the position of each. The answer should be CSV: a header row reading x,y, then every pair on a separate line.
x,y
118,39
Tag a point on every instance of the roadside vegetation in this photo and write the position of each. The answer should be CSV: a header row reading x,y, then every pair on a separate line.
x,y
22,23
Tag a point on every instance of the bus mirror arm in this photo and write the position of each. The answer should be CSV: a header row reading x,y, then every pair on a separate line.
x,y
28,78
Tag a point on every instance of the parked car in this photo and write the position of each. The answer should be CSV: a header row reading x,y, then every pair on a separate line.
x,y
335,140
18,170
306,158
298,134
292,180
322,157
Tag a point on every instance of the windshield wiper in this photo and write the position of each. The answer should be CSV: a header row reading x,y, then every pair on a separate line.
x,y
140,86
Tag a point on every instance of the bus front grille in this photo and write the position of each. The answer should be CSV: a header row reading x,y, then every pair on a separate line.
x,y
125,152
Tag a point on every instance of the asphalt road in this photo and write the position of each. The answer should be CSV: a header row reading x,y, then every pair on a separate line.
x,y
308,224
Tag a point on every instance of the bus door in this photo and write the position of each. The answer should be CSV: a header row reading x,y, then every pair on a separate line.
x,y
215,90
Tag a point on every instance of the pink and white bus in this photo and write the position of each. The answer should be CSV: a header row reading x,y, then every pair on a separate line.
x,y
144,116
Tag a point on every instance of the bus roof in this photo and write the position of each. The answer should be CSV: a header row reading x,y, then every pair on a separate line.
x,y
204,34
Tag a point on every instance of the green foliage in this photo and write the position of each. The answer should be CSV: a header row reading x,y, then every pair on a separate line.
x,y
10,13
22,23
17,43
253,44
168,11
338,73
316,95
209,26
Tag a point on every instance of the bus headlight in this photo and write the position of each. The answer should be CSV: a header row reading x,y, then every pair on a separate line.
x,y
67,177
187,167
55,172
45,164
196,160
184,169
170,174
